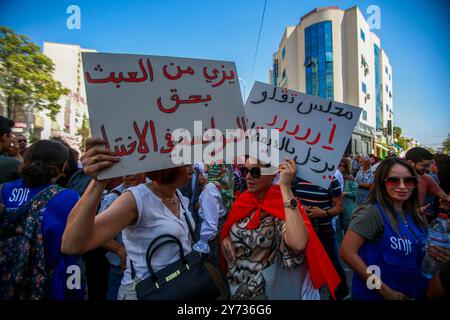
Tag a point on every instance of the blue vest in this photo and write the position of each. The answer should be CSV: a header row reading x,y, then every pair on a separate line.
x,y
399,257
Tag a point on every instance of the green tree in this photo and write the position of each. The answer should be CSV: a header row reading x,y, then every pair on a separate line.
x,y
26,80
397,133
446,145
84,132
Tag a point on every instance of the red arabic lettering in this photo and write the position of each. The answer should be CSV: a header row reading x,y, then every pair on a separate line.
x,y
179,74
132,75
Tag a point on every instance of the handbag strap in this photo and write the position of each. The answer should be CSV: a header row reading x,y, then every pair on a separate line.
x,y
188,221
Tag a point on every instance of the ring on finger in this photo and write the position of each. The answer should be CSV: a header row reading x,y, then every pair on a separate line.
x,y
94,160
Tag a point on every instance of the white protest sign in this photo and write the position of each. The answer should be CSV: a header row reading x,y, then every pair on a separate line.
x,y
136,102
313,131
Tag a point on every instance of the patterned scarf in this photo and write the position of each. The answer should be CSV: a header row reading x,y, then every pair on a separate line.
x,y
320,267
222,176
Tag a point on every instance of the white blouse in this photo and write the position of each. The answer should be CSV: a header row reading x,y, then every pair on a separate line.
x,y
154,219
211,210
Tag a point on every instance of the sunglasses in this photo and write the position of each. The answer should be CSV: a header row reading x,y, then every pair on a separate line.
x,y
408,182
257,172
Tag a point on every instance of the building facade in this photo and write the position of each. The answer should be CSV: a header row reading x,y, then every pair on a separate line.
x,y
68,69
333,54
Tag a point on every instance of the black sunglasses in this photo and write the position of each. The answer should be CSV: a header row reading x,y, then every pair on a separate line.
x,y
255,172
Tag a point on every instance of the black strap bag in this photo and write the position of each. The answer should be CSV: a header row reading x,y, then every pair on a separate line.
x,y
189,278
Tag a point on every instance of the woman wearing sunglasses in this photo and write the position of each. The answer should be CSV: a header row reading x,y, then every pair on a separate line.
x,y
385,240
266,224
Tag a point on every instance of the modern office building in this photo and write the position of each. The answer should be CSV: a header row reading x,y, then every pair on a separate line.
x,y
332,53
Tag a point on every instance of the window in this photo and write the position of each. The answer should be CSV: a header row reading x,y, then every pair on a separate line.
x,y
319,60
387,108
363,35
364,89
284,74
387,89
364,115
275,72
378,89
386,69
389,76
283,53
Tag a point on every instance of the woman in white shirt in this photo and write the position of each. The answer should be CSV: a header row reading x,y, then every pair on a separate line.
x,y
215,201
142,212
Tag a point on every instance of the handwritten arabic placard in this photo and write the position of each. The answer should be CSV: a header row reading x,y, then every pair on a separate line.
x,y
313,131
135,103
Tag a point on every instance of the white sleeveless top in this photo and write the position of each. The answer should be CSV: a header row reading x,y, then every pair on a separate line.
x,y
154,219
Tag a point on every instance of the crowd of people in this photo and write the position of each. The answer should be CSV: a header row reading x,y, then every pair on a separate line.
x,y
269,233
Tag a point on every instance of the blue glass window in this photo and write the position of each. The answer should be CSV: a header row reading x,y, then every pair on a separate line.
x,y
363,35
284,74
387,90
283,53
319,60
364,89
364,115
386,69
378,88
387,108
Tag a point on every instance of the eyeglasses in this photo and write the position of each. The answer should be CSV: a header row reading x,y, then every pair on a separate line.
x,y
408,182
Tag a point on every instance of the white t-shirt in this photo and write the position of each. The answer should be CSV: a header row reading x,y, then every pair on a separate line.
x,y
154,219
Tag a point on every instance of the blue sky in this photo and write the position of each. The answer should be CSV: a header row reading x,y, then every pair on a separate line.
x,y
413,33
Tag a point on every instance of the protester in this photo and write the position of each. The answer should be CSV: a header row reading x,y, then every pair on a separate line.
x,y
388,233
22,141
142,212
72,164
322,205
421,159
215,202
355,164
364,178
350,192
43,164
442,170
117,255
265,231
8,165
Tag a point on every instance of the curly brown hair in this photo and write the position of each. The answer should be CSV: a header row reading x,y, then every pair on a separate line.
x,y
43,161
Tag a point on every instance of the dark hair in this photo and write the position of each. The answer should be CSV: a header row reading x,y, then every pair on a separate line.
x,y
6,125
418,154
379,193
347,166
42,162
443,164
72,162
165,176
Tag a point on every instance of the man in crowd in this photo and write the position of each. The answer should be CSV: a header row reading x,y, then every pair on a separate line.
x,y
8,164
422,159
364,177
22,140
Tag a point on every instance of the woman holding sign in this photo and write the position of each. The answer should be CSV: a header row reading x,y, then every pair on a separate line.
x,y
143,213
267,240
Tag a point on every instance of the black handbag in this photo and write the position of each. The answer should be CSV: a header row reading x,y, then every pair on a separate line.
x,y
189,278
